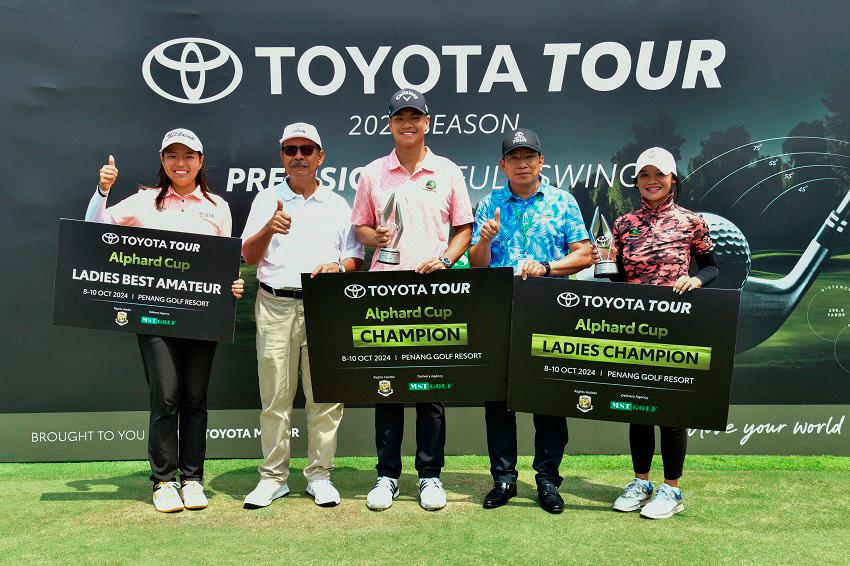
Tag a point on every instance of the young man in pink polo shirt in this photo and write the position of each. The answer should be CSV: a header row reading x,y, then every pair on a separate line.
x,y
432,197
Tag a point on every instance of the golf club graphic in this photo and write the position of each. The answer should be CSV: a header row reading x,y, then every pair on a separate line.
x,y
767,303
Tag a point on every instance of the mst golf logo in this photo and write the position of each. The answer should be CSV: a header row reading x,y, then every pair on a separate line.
x,y
354,291
568,300
109,238
192,67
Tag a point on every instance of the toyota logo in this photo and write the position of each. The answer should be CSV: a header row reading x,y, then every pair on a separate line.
x,y
568,299
109,238
192,62
603,241
355,291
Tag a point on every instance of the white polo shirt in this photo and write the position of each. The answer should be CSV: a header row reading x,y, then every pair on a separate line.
x,y
321,232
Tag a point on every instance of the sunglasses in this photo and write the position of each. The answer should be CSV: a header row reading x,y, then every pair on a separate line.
x,y
292,150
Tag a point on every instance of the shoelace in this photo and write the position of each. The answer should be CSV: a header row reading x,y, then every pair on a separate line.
x,y
385,482
430,482
162,484
666,492
634,488
192,486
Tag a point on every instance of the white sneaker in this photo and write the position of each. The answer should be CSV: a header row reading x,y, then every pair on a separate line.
x,y
664,505
382,495
635,496
265,492
193,495
432,496
165,497
324,493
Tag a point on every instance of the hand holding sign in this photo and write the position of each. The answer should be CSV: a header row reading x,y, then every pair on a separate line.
x,y
108,175
280,221
490,229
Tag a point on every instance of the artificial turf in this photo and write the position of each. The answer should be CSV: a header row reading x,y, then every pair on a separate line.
x,y
738,510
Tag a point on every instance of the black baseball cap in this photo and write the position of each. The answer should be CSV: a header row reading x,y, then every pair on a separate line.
x,y
521,137
407,98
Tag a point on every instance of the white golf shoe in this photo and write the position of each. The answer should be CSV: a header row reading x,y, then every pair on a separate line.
x,y
265,492
634,496
664,505
382,495
432,496
193,495
165,497
324,493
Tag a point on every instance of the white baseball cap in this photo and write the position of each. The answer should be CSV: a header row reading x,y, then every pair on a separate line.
x,y
184,136
659,157
301,130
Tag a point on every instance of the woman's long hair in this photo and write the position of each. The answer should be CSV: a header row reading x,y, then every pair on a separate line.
x,y
163,182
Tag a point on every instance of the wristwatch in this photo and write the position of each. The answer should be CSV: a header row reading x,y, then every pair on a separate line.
x,y
341,266
548,268
447,262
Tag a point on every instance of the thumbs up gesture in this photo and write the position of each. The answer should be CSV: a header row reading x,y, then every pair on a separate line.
x,y
108,175
382,233
490,229
280,221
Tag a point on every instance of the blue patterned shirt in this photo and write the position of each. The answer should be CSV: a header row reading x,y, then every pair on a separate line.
x,y
539,228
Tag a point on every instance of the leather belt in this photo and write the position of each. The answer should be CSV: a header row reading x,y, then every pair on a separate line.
x,y
290,293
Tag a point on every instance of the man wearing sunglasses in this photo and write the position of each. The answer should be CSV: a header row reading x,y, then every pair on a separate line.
x,y
298,226
433,199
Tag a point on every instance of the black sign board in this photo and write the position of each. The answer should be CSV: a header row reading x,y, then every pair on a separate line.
x,y
620,352
145,281
403,337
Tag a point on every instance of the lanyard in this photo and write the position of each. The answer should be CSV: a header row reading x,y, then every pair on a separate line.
x,y
525,225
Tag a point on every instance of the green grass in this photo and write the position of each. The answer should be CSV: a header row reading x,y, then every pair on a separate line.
x,y
739,510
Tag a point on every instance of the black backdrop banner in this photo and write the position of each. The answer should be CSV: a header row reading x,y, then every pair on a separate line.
x,y
752,98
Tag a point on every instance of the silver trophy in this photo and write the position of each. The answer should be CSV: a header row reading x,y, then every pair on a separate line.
x,y
602,239
391,218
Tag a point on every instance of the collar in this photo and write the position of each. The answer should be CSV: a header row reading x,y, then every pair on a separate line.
x,y
427,164
196,194
288,194
666,205
509,195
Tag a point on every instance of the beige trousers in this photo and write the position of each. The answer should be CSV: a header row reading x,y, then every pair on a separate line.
x,y
281,350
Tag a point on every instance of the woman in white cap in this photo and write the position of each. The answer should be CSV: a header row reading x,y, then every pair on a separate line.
x,y
654,245
177,369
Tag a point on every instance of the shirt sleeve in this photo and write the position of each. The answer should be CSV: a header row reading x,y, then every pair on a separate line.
x,y
225,227
482,214
126,212
461,208
363,212
574,229
349,245
701,243
262,208
96,211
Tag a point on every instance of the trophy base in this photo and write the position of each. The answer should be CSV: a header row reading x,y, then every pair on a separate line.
x,y
605,269
390,256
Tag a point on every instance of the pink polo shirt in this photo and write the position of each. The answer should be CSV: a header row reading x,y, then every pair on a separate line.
x,y
432,199
193,213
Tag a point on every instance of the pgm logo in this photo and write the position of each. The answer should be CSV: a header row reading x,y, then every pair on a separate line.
x,y
192,66
407,96
354,291
385,388
121,318
585,403
109,238
568,300
519,137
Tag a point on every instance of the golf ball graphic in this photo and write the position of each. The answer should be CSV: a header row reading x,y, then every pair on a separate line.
x,y
732,249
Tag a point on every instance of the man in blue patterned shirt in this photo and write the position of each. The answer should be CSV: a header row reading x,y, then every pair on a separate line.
x,y
538,230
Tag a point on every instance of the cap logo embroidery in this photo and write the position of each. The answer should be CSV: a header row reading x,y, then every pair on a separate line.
x,y
519,137
406,95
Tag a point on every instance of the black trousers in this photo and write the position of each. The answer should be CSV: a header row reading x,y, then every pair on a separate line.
x,y
550,438
178,374
430,438
674,444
